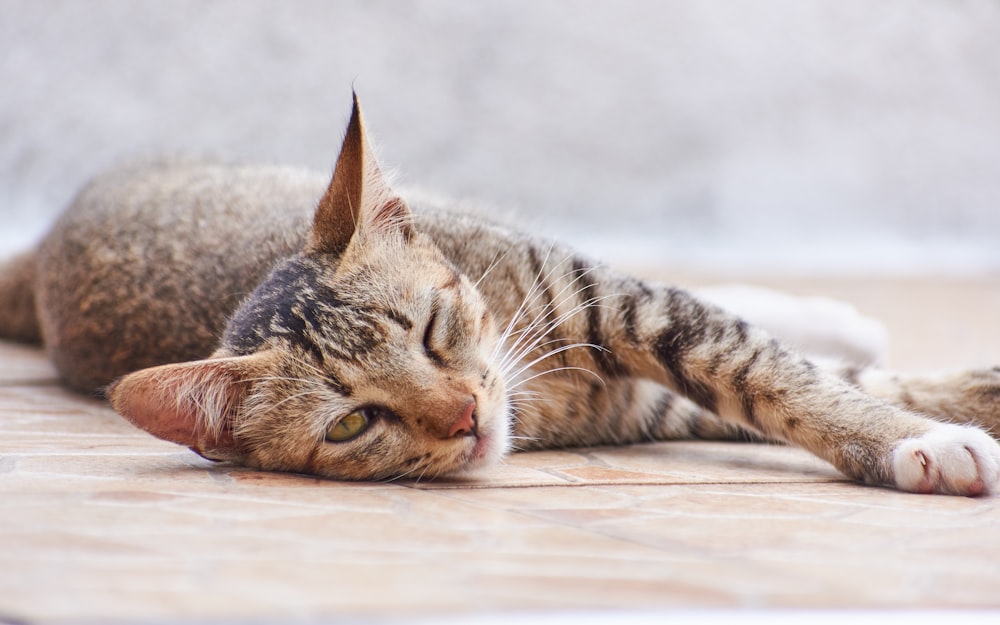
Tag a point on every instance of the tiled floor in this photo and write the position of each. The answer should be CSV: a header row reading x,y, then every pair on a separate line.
x,y
100,522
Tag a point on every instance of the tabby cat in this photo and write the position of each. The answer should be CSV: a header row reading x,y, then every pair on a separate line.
x,y
361,340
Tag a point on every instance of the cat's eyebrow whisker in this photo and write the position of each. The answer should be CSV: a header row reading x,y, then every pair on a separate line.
x,y
278,378
308,365
291,397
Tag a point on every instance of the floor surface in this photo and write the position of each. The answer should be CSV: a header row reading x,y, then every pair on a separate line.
x,y
100,522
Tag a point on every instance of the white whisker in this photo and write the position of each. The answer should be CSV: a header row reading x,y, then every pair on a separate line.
x,y
497,259
517,351
557,369
549,354
292,397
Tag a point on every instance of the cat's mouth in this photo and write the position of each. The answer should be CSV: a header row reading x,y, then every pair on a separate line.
x,y
489,446
482,450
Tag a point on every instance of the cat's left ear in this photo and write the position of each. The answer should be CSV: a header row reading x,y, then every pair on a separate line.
x,y
193,404
358,201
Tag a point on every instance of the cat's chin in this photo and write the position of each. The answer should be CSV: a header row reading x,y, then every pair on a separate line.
x,y
487,451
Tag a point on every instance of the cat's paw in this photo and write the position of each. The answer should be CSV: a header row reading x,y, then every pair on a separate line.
x,y
949,459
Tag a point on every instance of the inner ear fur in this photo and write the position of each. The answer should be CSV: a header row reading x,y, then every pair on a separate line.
x,y
359,200
194,404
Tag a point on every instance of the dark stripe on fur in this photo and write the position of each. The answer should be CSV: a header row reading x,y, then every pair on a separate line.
x,y
399,319
587,289
294,305
747,394
630,305
658,414
548,303
686,329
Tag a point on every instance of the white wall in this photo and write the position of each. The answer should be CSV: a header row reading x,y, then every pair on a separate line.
x,y
791,134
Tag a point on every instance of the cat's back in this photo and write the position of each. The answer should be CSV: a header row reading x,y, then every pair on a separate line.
x,y
149,259
210,201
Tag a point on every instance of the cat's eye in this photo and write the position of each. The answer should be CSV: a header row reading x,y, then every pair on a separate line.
x,y
429,330
428,340
349,426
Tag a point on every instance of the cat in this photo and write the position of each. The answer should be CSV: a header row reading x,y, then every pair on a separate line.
x,y
368,336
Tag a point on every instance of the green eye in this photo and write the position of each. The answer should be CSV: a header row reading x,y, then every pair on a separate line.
x,y
350,426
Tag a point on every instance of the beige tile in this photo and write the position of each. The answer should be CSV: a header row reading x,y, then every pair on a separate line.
x,y
99,521
679,462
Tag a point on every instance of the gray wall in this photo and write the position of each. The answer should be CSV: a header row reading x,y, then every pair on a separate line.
x,y
791,135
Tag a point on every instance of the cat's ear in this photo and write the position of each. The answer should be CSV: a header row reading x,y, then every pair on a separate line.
x,y
191,403
358,200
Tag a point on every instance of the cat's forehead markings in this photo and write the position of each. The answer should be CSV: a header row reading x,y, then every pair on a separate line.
x,y
398,318
296,306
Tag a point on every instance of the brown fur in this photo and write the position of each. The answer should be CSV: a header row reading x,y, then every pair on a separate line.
x,y
453,338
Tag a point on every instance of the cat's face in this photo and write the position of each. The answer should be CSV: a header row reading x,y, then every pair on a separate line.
x,y
366,356
377,365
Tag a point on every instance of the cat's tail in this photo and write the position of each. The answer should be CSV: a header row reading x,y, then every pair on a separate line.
x,y
18,319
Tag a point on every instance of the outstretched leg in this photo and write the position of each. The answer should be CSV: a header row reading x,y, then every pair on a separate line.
x,y
745,376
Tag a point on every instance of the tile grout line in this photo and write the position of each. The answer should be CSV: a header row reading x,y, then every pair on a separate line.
x,y
432,487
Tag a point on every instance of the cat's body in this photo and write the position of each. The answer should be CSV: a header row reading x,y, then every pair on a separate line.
x,y
379,342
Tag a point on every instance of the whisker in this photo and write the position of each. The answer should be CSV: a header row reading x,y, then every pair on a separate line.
x,y
516,351
497,259
549,354
291,397
548,371
403,475
308,365
533,293
536,290
278,378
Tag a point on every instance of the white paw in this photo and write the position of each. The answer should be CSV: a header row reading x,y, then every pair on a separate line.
x,y
949,459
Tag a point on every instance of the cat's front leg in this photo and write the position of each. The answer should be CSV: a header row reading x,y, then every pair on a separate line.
x,y
745,376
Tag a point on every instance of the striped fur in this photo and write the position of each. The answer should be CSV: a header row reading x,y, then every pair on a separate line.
x,y
451,339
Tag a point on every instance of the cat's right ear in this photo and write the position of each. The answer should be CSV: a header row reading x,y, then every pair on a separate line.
x,y
358,200
194,404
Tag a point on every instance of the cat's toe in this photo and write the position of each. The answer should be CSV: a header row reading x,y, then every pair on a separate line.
x,y
949,459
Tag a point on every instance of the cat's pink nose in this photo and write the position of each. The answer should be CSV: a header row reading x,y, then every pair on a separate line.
x,y
466,424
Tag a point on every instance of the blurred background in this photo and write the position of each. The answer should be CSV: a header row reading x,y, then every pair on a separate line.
x,y
840,136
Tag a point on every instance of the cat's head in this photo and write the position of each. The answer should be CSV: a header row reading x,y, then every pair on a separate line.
x,y
365,356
